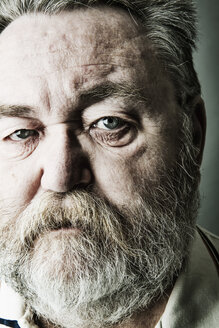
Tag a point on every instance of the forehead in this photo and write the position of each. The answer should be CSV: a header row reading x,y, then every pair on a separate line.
x,y
61,54
96,35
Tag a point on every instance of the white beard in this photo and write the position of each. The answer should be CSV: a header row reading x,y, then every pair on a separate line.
x,y
113,264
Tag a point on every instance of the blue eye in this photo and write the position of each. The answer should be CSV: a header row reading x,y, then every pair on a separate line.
x,y
109,123
23,134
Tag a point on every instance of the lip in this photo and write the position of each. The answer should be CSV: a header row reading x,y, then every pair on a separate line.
x,y
66,230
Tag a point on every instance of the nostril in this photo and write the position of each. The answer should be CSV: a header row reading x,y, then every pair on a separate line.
x,y
85,180
85,176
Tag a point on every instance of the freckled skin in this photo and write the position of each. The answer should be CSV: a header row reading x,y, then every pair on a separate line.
x,y
45,63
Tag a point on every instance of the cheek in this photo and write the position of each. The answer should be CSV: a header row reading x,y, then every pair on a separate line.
x,y
115,175
112,180
17,188
9,180
120,177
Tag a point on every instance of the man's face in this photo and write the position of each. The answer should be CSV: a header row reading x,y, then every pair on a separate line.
x,y
84,105
50,65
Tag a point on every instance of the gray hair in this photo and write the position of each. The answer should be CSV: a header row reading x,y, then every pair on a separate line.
x,y
169,24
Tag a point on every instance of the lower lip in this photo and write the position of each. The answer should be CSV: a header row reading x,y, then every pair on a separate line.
x,y
66,230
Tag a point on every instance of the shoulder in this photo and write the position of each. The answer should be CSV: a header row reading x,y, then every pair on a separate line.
x,y
211,243
194,301
212,237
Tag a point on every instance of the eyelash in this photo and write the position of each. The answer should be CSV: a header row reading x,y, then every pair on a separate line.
x,y
20,148
120,136
34,134
120,123
117,136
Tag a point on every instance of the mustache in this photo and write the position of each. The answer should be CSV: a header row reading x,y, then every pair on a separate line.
x,y
81,210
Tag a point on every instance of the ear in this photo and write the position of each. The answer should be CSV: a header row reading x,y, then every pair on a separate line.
x,y
199,126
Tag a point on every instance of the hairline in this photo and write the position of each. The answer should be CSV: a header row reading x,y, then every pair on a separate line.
x,y
175,58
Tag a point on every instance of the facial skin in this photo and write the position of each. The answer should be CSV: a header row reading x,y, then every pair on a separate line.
x,y
56,137
48,75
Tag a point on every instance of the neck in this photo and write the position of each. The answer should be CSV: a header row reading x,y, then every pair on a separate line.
x,y
144,319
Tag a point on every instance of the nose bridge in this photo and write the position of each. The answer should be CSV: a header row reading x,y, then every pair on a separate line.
x,y
63,162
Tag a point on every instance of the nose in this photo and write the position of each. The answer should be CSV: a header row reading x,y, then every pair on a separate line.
x,y
64,164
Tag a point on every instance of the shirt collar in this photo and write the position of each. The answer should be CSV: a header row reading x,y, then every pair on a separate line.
x,y
13,307
194,301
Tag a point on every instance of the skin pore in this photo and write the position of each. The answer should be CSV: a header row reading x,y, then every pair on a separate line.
x,y
83,103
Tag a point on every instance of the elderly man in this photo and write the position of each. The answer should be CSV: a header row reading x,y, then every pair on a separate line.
x,y
101,136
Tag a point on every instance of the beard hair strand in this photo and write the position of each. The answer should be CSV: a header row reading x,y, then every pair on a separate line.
x,y
80,261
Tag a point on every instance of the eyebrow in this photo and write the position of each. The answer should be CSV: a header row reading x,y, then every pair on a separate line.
x,y
113,90
86,98
16,111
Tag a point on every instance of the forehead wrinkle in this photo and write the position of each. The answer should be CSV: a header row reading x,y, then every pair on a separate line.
x,y
62,43
108,53
103,54
52,65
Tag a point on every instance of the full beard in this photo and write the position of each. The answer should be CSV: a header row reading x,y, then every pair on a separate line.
x,y
80,261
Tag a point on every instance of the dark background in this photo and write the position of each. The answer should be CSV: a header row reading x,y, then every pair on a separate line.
x,y
207,66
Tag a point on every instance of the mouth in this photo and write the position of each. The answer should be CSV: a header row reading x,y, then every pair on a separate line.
x,y
55,229
65,227
74,231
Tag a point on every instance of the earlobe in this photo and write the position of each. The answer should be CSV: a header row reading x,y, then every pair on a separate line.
x,y
199,126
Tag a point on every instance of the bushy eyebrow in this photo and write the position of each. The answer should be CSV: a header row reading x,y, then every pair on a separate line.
x,y
129,92
16,111
86,98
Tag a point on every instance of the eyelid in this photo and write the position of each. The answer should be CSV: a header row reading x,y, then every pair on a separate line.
x,y
121,123
118,137
12,124
123,120
28,140
92,115
19,149
34,135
